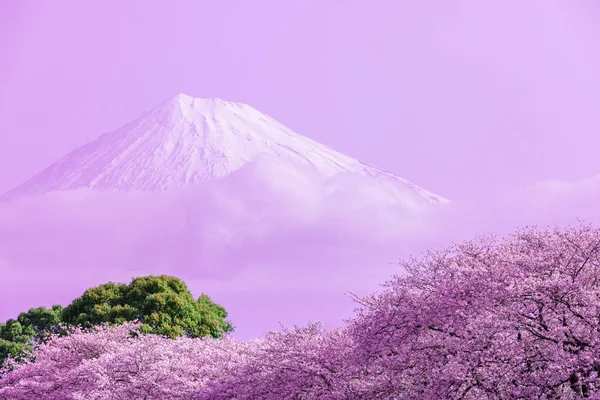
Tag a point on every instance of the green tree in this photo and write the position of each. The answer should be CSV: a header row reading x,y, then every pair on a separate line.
x,y
163,304
14,339
41,322
18,336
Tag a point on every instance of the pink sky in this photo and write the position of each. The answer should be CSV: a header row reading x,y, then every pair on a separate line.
x,y
462,97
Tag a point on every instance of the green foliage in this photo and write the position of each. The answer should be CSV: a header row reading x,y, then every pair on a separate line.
x,y
12,348
17,336
41,322
214,315
162,303
14,339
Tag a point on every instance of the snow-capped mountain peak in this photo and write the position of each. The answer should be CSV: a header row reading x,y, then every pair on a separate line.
x,y
186,140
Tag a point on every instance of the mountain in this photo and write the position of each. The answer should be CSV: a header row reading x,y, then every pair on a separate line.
x,y
186,140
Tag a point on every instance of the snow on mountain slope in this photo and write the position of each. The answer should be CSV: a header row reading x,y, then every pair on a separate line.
x,y
186,140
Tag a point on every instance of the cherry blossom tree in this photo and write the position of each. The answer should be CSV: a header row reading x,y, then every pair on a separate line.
x,y
299,363
512,319
119,362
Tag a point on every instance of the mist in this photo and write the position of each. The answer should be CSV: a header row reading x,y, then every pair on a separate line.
x,y
273,244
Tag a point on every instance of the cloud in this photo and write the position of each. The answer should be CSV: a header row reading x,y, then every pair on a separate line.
x,y
270,242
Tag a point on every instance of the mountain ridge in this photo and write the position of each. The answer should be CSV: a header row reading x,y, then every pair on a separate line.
x,y
184,140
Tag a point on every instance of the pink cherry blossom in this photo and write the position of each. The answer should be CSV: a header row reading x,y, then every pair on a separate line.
x,y
517,318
